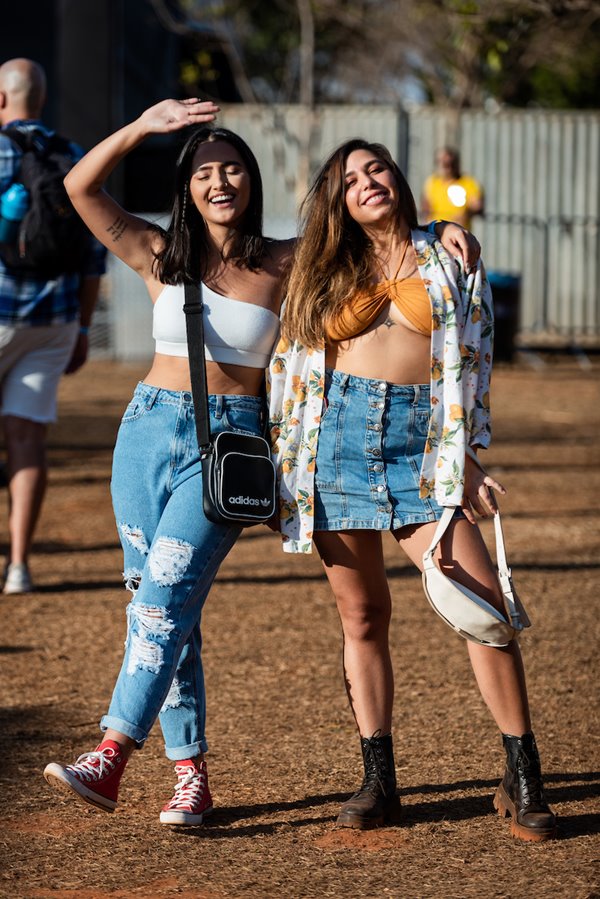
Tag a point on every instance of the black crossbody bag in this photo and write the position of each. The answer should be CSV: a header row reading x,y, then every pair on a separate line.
x,y
238,475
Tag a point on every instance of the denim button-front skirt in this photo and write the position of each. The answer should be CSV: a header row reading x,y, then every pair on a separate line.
x,y
369,455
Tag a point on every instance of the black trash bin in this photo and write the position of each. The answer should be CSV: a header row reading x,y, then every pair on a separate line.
x,y
506,291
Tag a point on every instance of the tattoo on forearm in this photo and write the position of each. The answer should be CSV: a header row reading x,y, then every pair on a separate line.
x,y
117,228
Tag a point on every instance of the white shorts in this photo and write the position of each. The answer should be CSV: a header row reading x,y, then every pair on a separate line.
x,y
32,361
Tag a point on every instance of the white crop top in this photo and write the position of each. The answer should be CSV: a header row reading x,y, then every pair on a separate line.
x,y
234,331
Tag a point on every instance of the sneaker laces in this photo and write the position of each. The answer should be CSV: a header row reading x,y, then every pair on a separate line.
x,y
189,788
93,766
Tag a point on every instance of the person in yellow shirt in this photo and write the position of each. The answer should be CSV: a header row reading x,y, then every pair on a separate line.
x,y
449,194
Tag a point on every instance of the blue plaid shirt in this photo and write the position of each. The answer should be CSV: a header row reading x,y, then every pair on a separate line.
x,y
26,301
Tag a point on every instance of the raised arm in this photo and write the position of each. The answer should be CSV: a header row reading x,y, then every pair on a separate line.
x,y
127,235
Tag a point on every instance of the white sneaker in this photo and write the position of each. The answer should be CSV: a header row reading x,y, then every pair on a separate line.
x,y
18,579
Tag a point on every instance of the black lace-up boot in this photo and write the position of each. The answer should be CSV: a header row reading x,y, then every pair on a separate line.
x,y
521,793
376,802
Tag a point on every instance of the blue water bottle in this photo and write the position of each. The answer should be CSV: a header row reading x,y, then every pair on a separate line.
x,y
14,203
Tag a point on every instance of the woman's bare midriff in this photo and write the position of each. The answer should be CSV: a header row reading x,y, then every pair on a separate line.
x,y
389,350
173,373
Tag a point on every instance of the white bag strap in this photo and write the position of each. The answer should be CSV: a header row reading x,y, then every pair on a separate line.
x,y
518,616
447,516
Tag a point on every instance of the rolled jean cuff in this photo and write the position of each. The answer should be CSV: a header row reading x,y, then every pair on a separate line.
x,y
179,753
124,727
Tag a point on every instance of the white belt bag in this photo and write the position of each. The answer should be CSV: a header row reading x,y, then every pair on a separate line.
x,y
470,615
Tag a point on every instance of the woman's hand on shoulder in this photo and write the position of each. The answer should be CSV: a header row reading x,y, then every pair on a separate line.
x,y
479,487
173,115
459,242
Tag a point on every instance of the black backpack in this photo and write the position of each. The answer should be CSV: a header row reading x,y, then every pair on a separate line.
x,y
52,238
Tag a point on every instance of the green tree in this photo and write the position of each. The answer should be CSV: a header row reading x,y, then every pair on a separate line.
x,y
458,53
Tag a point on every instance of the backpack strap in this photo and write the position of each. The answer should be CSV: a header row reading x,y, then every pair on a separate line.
x,y
27,143
24,139
36,141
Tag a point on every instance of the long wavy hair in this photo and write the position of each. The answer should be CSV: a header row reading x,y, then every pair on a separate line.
x,y
184,256
334,256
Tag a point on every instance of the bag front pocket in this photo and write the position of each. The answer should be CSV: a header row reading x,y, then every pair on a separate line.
x,y
240,480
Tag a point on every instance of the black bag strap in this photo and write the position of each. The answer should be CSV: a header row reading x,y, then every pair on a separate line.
x,y
194,308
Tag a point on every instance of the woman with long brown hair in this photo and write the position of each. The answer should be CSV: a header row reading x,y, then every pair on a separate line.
x,y
379,404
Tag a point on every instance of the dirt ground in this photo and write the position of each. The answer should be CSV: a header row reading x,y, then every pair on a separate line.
x,y
284,753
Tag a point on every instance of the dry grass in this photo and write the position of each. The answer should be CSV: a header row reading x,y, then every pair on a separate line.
x,y
283,749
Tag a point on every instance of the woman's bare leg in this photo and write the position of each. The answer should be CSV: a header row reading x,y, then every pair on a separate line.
x,y
501,680
353,562
498,672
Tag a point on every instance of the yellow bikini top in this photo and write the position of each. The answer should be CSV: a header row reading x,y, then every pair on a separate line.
x,y
408,294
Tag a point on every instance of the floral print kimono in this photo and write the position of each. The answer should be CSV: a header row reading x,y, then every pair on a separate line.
x,y
461,361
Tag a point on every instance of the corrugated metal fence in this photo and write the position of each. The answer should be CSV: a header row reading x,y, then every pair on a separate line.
x,y
541,175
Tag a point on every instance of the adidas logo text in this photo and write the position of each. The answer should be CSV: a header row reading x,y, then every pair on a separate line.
x,y
246,501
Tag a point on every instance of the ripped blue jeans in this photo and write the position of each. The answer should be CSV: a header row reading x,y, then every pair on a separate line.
x,y
171,556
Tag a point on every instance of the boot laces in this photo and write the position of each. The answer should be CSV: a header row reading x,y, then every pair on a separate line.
x,y
531,779
93,766
372,782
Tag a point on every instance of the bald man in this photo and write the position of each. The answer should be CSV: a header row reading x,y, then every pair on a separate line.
x,y
43,332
